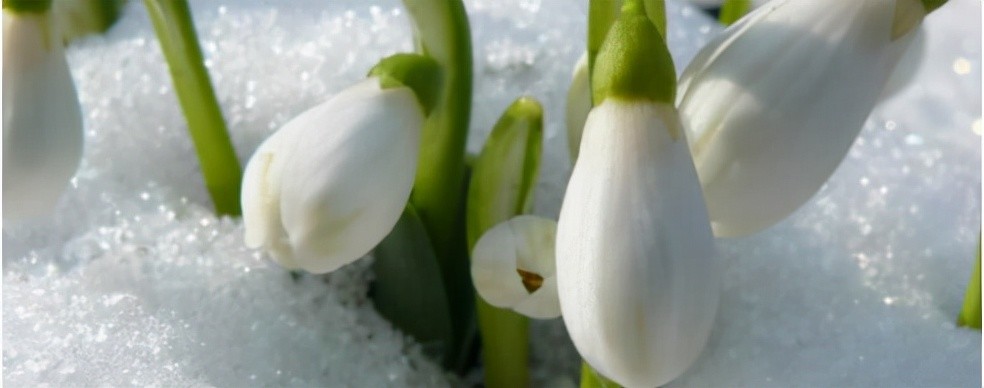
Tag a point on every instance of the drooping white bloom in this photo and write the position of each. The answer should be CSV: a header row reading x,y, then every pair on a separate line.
x,y
772,106
330,185
513,266
637,276
578,105
42,120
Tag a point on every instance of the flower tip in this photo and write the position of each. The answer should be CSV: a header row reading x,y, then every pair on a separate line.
x,y
527,108
633,62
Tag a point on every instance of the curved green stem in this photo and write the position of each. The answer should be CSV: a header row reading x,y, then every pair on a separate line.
x,y
442,32
220,167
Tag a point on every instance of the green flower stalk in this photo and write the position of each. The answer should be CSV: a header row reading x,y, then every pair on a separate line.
x,y
220,167
502,185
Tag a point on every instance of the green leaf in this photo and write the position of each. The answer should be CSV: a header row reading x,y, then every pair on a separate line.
x,y
408,290
505,172
732,10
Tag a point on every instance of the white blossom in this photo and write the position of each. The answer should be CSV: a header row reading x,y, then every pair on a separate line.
x,y
637,277
326,188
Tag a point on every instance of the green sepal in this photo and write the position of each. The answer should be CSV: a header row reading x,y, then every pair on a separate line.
x,y
408,289
634,62
420,73
732,10
27,6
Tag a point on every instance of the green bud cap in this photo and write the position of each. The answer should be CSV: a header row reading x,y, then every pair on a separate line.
x,y
418,72
27,6
634,62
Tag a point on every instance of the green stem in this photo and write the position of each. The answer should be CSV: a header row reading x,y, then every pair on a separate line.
x,y
220,167
592,379
442,32
970,314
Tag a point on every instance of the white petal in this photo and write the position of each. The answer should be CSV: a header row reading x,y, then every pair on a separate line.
x,y
772,107
578,105
521,243
638,281
337,176
42,120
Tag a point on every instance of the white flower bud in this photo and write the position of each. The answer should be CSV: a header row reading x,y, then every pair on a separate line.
x,y
330,185
42,120
637,277
772,106
513,266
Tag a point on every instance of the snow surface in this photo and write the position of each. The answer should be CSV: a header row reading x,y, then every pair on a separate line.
x,y
134,282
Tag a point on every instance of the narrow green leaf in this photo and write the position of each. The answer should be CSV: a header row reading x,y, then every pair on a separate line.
x,y
409,290
732,10
592,379
502,186
220,167
970,314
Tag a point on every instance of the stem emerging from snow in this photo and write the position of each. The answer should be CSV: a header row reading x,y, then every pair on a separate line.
x,y
220,167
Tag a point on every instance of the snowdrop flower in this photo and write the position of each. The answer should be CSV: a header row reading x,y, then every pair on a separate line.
x,y
772,106
328,186
636,272
513,266
42,120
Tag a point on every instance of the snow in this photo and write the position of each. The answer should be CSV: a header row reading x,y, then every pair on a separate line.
x,y
134,282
